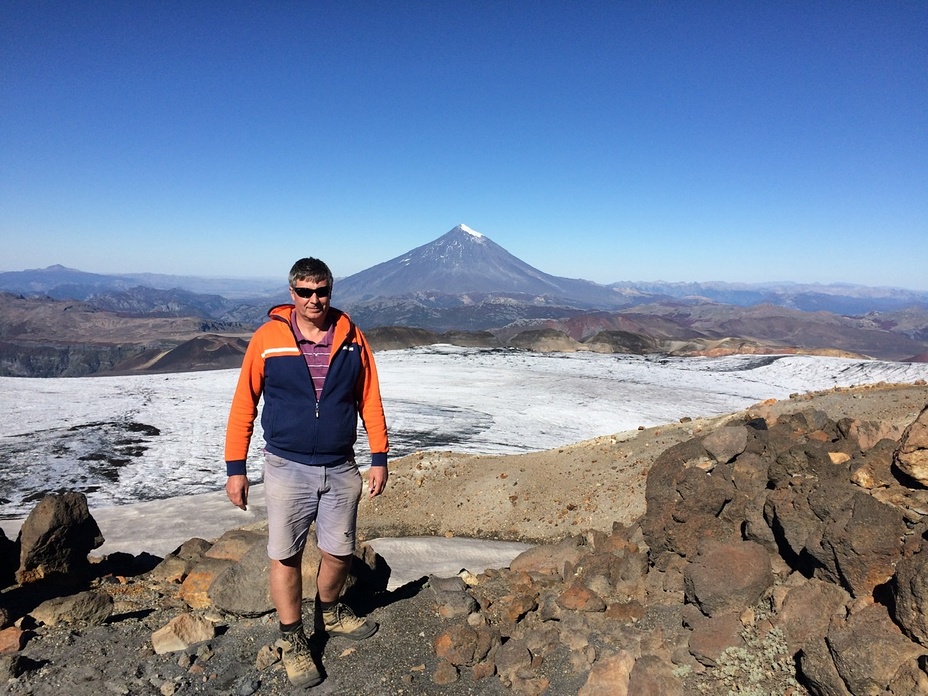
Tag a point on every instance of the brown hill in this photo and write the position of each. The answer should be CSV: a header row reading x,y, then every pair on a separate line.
x,y
622,342
693,329
41,319
42,337
544,341
207,352
399,337
789,327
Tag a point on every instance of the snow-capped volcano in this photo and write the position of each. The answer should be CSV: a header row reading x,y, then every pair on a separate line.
x,y
465,261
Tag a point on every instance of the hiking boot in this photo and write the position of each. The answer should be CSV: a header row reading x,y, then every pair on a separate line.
x,y
341,621
298,660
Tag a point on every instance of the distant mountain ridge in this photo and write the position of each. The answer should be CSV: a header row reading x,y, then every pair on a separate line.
x,y
62,282
461,268
460,282
839,298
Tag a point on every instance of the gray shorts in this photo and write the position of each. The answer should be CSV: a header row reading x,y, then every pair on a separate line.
x,y
298,495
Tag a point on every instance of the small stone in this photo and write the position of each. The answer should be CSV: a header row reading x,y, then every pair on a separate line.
x,y
476,619
267,656
482,670
12,640
580,598
445,673
181,632
247,686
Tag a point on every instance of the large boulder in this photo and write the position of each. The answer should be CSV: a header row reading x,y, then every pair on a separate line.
x,y
911,596
91,607
729,578
724,444
685,494
869,433
871,653
551,559
807,610
826,526
56,538
818,670
242,588
865,542
912,456
652,675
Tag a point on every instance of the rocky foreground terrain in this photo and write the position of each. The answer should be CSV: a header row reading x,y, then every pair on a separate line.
x,y
778,550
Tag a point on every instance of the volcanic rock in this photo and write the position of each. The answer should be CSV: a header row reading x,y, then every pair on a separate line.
x,y
56,537
912,455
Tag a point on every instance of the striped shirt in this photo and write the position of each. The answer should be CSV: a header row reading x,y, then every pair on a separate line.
x,y
316,355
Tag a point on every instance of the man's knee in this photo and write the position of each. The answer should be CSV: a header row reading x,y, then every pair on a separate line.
x,y
293,563
334,559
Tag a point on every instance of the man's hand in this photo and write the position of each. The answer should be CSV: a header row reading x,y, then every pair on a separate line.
x,y
237,490
376,480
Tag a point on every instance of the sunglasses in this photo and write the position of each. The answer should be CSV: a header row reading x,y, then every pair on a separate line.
x,y
306,293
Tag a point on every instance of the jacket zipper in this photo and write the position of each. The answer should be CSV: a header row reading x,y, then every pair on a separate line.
x,y
309,374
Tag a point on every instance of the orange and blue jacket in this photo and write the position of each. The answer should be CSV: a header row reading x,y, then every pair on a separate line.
x,y
297,426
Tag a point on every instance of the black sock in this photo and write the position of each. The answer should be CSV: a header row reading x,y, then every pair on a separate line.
x,y
290,628
324,606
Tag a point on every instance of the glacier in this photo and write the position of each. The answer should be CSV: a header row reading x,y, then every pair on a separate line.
x,y
130,439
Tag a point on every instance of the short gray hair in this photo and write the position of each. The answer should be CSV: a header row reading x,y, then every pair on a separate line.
x,y
310,269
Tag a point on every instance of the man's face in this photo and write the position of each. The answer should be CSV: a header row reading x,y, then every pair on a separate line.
x,y
312,308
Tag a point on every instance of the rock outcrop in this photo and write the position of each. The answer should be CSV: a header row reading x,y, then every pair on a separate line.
x,y
765,559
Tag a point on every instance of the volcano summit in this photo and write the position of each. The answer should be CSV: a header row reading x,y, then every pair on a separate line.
x,y
465,262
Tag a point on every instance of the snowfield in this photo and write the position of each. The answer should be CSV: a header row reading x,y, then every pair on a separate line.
x,y
139,438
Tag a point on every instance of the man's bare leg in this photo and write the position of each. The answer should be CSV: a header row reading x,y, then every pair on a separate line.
x,y
333,571
287,588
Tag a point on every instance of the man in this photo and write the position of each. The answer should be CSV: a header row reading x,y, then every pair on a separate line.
x,y
316,372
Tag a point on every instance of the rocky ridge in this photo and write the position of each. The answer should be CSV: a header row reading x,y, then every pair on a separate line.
x,y
778,550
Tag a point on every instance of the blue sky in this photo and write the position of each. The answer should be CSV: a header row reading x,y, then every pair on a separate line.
x,y
678,141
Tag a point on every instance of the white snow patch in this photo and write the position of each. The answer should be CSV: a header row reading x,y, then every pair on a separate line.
x,y
473,233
